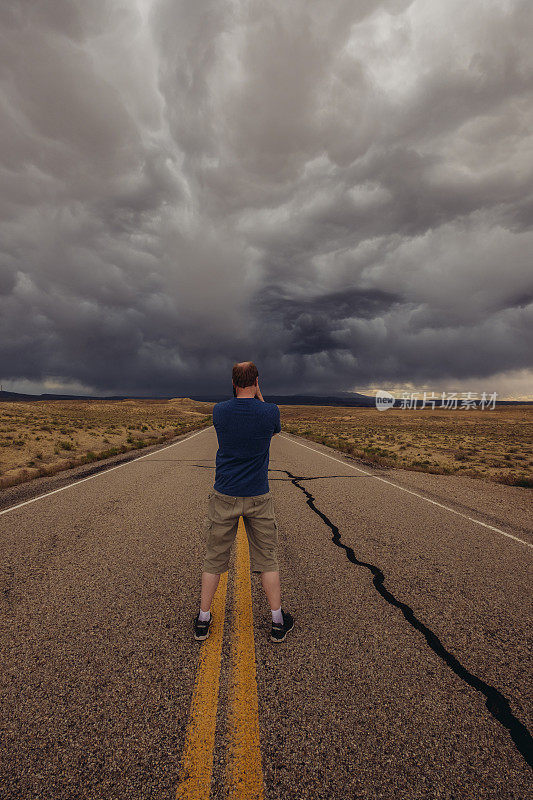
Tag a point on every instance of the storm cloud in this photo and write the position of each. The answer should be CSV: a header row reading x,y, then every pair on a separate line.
x,y
340,191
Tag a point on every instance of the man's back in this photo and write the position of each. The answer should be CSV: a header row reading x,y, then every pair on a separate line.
x,y
244,429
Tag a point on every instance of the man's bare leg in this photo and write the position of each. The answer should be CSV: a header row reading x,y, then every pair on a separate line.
x,y
209,587
272,587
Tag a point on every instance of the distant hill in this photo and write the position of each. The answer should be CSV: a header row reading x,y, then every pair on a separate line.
x,y
347,399
342,399
17,396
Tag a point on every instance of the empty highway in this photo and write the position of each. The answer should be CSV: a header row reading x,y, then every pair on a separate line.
x,y
407,674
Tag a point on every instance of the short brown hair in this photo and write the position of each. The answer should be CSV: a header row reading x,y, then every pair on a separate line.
x,y
244,374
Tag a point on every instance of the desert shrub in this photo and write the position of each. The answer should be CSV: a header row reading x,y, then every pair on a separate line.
x,y
460,455
512,479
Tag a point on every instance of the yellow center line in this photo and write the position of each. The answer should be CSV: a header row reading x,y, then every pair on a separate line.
x,y
197,760
244,772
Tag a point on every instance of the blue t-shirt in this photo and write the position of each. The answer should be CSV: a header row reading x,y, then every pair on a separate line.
x,y
244,426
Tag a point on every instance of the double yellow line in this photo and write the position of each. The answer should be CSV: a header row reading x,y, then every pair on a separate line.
x,y
244,773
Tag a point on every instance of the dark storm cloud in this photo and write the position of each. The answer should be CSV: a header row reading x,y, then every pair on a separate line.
x,y
315,324
340,191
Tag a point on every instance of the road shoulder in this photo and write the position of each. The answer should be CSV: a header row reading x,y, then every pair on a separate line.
x,y
22,492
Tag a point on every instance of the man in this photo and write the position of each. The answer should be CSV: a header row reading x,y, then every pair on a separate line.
x,y
244,425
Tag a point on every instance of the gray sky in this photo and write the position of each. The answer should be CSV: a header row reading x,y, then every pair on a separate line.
x,y
341,191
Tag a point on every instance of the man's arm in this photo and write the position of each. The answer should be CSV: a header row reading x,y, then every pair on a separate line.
x,y
277,423
277,428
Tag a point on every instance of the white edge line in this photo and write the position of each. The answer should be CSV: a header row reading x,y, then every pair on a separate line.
x,y
410,491
102,472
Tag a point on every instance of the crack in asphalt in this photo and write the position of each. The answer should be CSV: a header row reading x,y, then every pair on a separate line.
x,y
497,704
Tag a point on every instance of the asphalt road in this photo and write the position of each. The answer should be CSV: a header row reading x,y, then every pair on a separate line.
x,y
407,674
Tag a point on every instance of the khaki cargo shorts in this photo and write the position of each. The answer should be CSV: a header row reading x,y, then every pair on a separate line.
x,y
220,528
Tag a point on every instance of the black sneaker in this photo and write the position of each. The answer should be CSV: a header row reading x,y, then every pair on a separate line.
x,y
201,629
280,631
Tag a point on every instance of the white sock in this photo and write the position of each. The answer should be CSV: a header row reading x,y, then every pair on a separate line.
x,y
277,616
204,615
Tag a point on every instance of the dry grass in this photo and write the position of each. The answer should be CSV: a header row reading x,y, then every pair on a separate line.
x,y
491,444
42,438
